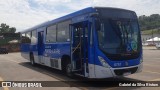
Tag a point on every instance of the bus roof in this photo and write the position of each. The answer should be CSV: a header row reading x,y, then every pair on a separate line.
x,y
77,13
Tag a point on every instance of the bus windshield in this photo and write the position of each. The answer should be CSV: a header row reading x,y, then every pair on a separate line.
x,y
119,38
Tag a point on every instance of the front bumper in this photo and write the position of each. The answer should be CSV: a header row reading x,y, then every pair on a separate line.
x,y
102,72
126,70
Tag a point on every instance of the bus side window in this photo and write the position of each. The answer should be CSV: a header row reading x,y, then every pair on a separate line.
x,y
51,34
28,37
25,38
23,35
63,31
34,37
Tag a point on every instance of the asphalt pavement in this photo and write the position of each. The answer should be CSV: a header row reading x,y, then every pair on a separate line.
x,y
13,67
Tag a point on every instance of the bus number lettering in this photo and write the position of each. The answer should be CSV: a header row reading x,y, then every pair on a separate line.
x,y
117,64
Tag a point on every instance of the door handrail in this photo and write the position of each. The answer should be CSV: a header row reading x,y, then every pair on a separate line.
x,y
76,48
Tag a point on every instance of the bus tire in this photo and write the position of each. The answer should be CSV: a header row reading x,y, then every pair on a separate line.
x,y
32,59
64,60
69,70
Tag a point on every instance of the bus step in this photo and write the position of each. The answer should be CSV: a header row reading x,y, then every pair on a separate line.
x,y
77,70
79,74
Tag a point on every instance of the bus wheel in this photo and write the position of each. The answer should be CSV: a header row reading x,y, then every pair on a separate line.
x,y
32,60
69,70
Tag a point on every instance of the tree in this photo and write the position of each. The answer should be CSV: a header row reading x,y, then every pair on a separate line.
x,y
12,30
4,28
149,22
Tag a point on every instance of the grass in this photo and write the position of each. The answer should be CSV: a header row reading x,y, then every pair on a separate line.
x,y
155,31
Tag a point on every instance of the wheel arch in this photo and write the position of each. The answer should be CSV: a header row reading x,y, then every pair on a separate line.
x,y
65,59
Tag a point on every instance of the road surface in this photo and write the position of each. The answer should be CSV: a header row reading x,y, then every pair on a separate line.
x,y
15,68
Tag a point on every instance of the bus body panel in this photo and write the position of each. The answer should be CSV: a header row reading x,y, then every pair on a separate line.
x,y
103,72
118,63
53,52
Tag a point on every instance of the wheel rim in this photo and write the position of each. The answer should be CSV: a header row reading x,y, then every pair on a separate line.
x,y
69,69
32,62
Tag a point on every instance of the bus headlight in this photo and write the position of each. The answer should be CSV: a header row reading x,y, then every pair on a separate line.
x,y
103,62
141,59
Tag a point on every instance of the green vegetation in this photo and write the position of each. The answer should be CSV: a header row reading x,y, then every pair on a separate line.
x,y
149,23
7,34
155,31
6,40
4,28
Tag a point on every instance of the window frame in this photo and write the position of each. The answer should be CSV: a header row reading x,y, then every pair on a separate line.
x,y
25,38
35,31
47,33
69,21
29,34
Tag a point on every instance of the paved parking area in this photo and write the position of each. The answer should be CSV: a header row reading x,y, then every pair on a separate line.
x,y
15,68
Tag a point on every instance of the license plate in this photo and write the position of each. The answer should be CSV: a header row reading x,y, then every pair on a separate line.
x,y
126,73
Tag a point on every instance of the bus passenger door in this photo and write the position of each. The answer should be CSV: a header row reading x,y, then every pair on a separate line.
x,y
79,48
40,46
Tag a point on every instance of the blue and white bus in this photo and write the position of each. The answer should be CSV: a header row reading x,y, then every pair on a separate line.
x,y
96,42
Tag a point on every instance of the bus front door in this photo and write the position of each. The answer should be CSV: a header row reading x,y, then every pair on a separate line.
x,y
79,47
40,46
